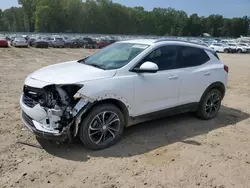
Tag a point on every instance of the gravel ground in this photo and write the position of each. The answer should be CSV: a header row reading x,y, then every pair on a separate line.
x,y
180,151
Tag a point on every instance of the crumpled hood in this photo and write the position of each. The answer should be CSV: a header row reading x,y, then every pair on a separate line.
x,y
70,72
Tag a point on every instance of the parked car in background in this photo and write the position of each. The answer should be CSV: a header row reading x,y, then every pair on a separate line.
x,y
84,98
41,43
20,42
75,43
66,42
3,42
220,47
89,43
57,42
243,48
102,43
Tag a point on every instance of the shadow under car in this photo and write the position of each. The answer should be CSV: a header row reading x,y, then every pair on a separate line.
x,y
148,136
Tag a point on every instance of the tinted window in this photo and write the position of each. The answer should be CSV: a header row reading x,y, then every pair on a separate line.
x,y
165,57
190,57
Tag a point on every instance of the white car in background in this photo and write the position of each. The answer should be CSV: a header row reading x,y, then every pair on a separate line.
x,y
243,46
220,47
20,42
127,82
238,47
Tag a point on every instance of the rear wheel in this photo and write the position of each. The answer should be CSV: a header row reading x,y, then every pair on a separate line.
x,y
226,51
210,104
102,127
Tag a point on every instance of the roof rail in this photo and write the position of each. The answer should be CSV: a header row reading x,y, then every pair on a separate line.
x,y
178,40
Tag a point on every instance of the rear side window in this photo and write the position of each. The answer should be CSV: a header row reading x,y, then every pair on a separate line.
x,y
191,57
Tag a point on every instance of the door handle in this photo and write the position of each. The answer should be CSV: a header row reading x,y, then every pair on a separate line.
x,y
207,73
173,77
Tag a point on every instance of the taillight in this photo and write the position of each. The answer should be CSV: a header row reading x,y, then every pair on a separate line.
x,y
226,68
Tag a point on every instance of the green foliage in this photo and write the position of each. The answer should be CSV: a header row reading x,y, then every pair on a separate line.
x,y
12,19
105,17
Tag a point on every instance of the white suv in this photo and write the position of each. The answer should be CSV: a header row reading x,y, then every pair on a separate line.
x,y
127,82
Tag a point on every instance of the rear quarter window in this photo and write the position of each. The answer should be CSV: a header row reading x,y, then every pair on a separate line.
x,y
191,57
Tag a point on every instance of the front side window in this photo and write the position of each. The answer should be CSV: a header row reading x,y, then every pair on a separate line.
x,y
191,56
165,57
115,56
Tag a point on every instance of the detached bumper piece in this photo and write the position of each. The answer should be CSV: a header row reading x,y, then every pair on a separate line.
x,y
34,127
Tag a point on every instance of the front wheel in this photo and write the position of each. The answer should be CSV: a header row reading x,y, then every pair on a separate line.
x,y
239,51
102,127
210,104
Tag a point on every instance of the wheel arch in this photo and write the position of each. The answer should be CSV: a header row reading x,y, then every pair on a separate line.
x,y
86,109
119,104
216,85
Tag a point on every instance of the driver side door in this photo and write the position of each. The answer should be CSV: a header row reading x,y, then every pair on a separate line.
x,y
158,91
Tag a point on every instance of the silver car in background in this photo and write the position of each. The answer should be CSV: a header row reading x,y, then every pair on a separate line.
x,y
57,42
20,42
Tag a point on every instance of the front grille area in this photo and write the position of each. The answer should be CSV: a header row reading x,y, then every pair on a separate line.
x,y
27,119
31,95
29,101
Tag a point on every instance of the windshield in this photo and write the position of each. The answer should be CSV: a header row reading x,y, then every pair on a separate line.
x,y
115,56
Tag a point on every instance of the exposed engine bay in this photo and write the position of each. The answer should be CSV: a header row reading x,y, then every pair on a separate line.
x,y
59,105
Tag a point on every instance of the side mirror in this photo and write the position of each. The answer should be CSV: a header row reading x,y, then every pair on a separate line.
x,y
147,67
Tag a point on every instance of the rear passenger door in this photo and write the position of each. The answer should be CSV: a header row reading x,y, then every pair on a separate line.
x,y
195,74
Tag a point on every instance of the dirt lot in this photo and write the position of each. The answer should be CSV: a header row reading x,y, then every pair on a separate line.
x,y
181,151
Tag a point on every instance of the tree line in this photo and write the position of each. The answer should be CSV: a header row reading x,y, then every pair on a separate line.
x,y
105,17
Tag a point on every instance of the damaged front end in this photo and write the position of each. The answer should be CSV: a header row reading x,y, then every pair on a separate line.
x,y
52,112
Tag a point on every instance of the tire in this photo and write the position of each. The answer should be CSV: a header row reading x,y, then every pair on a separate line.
x,y
206,105
92,124
226,51
239,51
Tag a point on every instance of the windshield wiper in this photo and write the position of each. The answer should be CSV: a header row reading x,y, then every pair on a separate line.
x,y
91,64
96,66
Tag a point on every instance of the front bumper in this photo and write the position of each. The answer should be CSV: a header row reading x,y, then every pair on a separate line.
x,y
32,126
33,118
